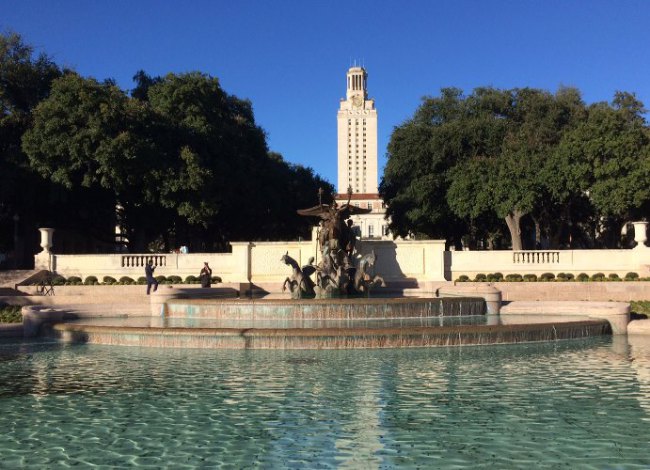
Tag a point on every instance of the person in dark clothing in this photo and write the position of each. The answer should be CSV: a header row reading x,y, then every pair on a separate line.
x,y
148,272
206,275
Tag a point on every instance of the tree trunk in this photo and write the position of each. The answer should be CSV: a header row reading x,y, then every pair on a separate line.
x,y
538,234
513,220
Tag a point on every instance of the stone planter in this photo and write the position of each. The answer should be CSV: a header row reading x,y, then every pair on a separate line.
x,y
640,234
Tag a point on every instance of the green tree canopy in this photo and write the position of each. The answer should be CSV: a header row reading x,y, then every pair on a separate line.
x,y
28,200
184,160
517,155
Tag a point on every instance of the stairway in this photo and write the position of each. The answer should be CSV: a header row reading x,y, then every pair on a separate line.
x,y
9,278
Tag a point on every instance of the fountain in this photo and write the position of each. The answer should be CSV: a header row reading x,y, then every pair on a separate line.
x,y
209,399
333,311
336,273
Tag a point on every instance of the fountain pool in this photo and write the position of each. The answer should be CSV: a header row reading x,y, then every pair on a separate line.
x,y
576,404
323,324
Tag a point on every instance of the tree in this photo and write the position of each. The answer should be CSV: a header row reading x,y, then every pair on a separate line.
x,y
23,82
477,157
184,161
609,155
420,153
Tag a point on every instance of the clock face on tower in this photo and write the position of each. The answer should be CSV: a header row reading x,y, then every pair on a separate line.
x,y
357,101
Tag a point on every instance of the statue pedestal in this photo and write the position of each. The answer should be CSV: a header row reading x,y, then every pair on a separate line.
x,y
43,260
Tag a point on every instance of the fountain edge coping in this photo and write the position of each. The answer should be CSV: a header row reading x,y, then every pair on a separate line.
x,y
616,313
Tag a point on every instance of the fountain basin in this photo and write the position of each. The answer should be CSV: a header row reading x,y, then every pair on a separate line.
x,y
323,309
329,338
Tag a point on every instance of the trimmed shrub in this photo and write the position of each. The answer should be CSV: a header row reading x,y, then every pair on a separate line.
x,y
215,279
191,279
91,281
547,277
142,280
563,277
126,280
613,277
598,277
530,277
74,280
582,277
514,278
161,279
494,277
570,277
631,277
58,280
480,277
175,279
462,278
109,280
10,313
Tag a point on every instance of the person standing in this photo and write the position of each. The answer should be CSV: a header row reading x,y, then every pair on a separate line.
x,y
206,275
149,268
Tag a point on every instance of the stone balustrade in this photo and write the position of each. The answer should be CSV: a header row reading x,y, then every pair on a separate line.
x,y
536,257
415,261
139,261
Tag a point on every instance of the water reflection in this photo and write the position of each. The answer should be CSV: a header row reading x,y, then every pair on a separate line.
x,y
573,403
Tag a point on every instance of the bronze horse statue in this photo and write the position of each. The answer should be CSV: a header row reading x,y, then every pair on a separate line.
x,y
364,278
300,284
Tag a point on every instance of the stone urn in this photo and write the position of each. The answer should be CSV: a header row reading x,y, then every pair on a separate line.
x,y
640,234
46,239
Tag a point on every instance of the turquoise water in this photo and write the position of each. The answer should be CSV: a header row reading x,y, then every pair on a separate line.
x,y
569,404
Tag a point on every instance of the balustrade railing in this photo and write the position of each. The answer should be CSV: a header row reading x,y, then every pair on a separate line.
x,y
536,257
139,261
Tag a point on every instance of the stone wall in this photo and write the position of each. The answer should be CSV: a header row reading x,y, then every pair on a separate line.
x,y
591,291
416,261
537,262
256,262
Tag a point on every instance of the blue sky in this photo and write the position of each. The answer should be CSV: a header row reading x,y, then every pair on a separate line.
x,y
290,57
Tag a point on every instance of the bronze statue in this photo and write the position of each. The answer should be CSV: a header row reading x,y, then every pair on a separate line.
x,y
336,273
300,284
365,278
335,233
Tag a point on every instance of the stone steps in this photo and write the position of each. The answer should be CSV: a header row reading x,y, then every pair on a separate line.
x,y
12,277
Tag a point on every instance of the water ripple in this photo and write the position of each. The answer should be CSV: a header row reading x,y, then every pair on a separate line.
x,y
567,404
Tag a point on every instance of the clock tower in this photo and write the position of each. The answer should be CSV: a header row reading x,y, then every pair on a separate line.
x,y
357,137
357,155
